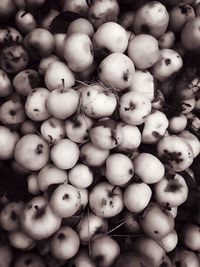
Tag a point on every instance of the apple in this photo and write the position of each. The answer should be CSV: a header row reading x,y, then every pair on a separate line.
x,y
78,51
171,190
134,107
62,103
6,85
8,140
192,141
183,256
78,6
59,39
132,197
65,200
106,200
156,222
155,127
153,173
65,243
81,25
29,259
89,226
50,175
190,235
151,18
25,21
52,130
175,152
143,82
36,104
87,153
9,216
179,15
64,154
45,63
177,124
104,250
104,134
77,128
169,242
38,220
130,137
7,9
14,58
80,176
31,152
58,76
28,127
111,37
25,81
102,11
20,241
48,18
143,50
82,257
190,35
167,40
40,42
97,101
119,169
113,76
32,182
132,259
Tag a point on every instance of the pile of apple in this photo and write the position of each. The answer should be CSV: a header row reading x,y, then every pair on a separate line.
x,y
99,110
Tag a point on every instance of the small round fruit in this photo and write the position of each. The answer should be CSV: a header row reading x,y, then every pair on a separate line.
x,y
31,152
171,190
65,243
153,173
8,140
143,50
137,196
65,200
65,154
80,176
106,200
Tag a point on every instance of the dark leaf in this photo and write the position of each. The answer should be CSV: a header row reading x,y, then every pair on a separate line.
x,y
61,22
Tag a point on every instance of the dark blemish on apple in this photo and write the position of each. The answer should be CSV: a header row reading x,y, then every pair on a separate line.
x,y
85,137
130,171
13,216
126,76
88,93
36,110
51,123
145,28
12,112
39,149
144,71
156,232
98,259
103,202
156,134
28,261
172,186
131,106
40,212
61,236
65,197
76,124
167,61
